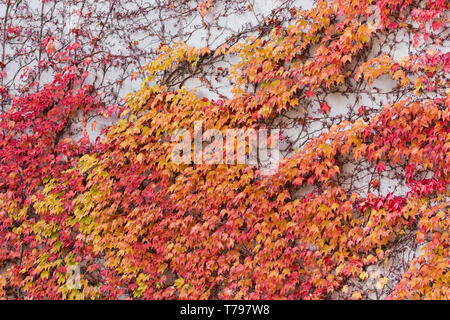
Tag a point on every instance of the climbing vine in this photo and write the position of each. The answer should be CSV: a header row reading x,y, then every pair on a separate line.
x,y
328,224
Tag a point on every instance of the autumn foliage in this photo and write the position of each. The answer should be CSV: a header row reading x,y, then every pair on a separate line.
x,y
322,227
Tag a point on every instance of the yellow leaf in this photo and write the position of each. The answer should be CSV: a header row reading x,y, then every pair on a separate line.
x,y
179,282
363,275
356,295
381,283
